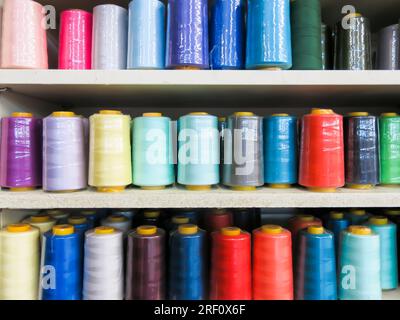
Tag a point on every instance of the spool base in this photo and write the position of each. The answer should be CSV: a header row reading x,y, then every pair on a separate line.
x,y
22,189
187,68
325,190
153,188
244,188
270,68
64,191
279,186
360,186
198,188
390,185
110,189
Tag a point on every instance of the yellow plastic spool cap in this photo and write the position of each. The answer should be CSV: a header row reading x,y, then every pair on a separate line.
x,y
358,212
22,115
151,214
110,112
222,119
336,215
390,114
360,230
188,229
88,212
358,114
280,186
198,188
180,220
117,218
63,230
315,230
280,115
306,218
198,114
244,188
317,111
63,114
152,114
231,231
110,189
22,189
378,220
40,218
360,186
392,212
146,230
271,229
18,227
104,230
354,15
77,220
243,114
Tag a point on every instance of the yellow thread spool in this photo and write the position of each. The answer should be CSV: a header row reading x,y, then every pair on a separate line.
x,y
146,230
43,222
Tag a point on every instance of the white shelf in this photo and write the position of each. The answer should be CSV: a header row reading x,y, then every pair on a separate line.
x,y
391,294
216,198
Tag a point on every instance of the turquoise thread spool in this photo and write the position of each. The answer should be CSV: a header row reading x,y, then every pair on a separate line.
x,y
387,232
199,151
359,264
152,152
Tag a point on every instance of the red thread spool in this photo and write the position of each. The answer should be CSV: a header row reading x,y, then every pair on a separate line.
x,y
300,222
322,151
218,219
231,265
272,264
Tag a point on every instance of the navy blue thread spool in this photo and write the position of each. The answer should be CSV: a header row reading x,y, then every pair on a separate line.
x,y
246,219
151,218
63,258
315,277
91,217
336,223
357,216
187,272
362,150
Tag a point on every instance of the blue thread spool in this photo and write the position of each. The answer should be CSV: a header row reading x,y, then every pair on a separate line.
x,y
359,264
146,36
177,221
91,217
337,223
268,35
280,147
153,167
188,264
198,155
315,277
387,232
357,217
192,214
63,255
227,35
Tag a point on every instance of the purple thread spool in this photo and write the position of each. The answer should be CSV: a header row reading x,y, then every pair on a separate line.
x,y
21,152
187,35
64,153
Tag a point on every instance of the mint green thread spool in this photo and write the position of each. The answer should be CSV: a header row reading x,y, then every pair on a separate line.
x,y
153,167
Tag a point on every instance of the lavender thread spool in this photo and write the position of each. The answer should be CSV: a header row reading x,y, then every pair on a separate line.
x,y
64,154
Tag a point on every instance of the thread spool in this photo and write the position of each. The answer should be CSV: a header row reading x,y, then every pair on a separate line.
x,y
103,265
198,155
64,153
272,264
359,265
177,221
151,218
353,44
301,222
75,45
187,263
119,222
41,221
131,214
146,37
61,274
268,35
243,154
388,55
280,151
326,45
218,219
362,150
110,37
152,152
110,151
315,277
387,232
394,216
322,151
246,219
187,35
19,262
81,225
192,214
91,217
221,127
357,216
389,128
230,265
23,40
336,223
146,274
227,44
21,152
306,34
59,215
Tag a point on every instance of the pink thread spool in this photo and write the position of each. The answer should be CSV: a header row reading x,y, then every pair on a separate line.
x,y
24,40
75,48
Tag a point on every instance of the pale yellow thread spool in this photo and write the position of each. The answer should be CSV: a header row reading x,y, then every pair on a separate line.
x,y
43,222
110,151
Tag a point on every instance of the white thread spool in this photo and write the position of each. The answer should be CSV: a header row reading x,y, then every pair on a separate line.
x,y
19,262
103,265
119,222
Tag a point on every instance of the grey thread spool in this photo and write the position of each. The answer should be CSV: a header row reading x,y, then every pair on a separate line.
x,y
388,57
353,45
243,154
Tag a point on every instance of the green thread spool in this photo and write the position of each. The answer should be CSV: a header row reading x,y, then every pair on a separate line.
x,y
389,127
306,34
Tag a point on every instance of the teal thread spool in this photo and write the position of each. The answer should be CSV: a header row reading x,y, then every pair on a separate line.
x,y
357,216
153,167
387,232
199,151
359,264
